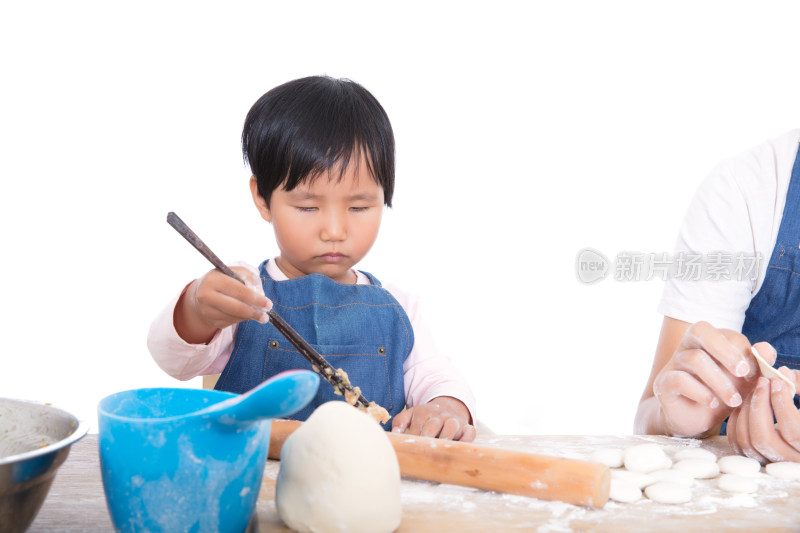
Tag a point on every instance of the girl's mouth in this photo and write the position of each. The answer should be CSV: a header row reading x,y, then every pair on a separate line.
x,y
332,257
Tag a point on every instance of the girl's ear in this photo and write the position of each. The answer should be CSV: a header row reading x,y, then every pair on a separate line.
x,y
261,204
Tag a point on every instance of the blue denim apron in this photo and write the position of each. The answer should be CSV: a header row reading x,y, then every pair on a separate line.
x,y
774,313
359,328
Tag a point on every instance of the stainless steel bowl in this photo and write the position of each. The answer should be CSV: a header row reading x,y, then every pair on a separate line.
x,y
34,441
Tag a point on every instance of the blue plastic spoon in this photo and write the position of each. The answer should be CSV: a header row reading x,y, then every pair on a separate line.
x,y
279,396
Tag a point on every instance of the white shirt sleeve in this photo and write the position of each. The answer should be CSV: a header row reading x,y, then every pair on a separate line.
x,y
716,221
185,361
736,210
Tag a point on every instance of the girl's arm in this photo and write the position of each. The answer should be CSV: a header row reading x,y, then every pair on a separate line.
x,y
184,354
438,400
183,360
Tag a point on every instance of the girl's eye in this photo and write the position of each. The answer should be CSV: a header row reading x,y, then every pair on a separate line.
x,y
306,209
359,209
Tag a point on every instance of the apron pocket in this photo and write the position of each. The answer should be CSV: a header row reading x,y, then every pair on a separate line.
x,y
367,367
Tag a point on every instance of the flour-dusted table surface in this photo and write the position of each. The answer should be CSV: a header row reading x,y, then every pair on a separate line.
x,y
76,502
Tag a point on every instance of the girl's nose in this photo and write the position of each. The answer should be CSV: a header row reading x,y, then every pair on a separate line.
x,y
334,228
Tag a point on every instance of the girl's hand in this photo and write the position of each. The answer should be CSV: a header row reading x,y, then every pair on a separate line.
x,y
217,301
444,417
709,373
751,428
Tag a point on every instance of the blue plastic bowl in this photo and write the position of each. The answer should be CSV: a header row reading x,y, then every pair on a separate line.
x,y
167,469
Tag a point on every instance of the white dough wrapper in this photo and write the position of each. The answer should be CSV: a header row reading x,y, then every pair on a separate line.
x,y
695,453
611,457
739,465
770,372
667,492
698,468
624,491
636,478
784,470
646,458
674,476
736,483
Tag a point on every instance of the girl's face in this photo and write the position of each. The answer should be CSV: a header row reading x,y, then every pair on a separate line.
x,y
327,226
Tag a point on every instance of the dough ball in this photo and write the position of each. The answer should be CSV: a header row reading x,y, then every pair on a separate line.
x,y
646,458
698,468
672,475
736,483
339,473
786,470
636,478
611,457
666,492
624,491
695,453
739,465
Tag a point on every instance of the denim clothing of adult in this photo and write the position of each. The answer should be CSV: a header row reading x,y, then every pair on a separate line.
x,y
774,313
361,329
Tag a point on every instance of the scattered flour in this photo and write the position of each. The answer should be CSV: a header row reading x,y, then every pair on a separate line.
x,y
421,500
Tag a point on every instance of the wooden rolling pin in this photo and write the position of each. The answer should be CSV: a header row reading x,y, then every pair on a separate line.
x,y
488,468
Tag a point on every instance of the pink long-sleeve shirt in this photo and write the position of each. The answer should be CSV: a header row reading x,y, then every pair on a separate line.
x,y
427,373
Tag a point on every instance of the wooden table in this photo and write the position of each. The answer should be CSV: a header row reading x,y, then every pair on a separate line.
x,y
76,502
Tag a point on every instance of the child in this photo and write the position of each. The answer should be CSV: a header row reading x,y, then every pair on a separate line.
x,y
703,370
321,152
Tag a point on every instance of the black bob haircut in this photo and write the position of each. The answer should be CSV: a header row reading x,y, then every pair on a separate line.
x,y
303,128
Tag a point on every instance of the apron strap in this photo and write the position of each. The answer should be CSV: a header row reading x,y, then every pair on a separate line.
x,y
789,232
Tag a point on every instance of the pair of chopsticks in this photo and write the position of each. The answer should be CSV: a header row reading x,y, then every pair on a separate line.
x,y
318,363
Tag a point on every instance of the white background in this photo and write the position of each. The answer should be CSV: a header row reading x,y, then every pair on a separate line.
x,y
524,133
